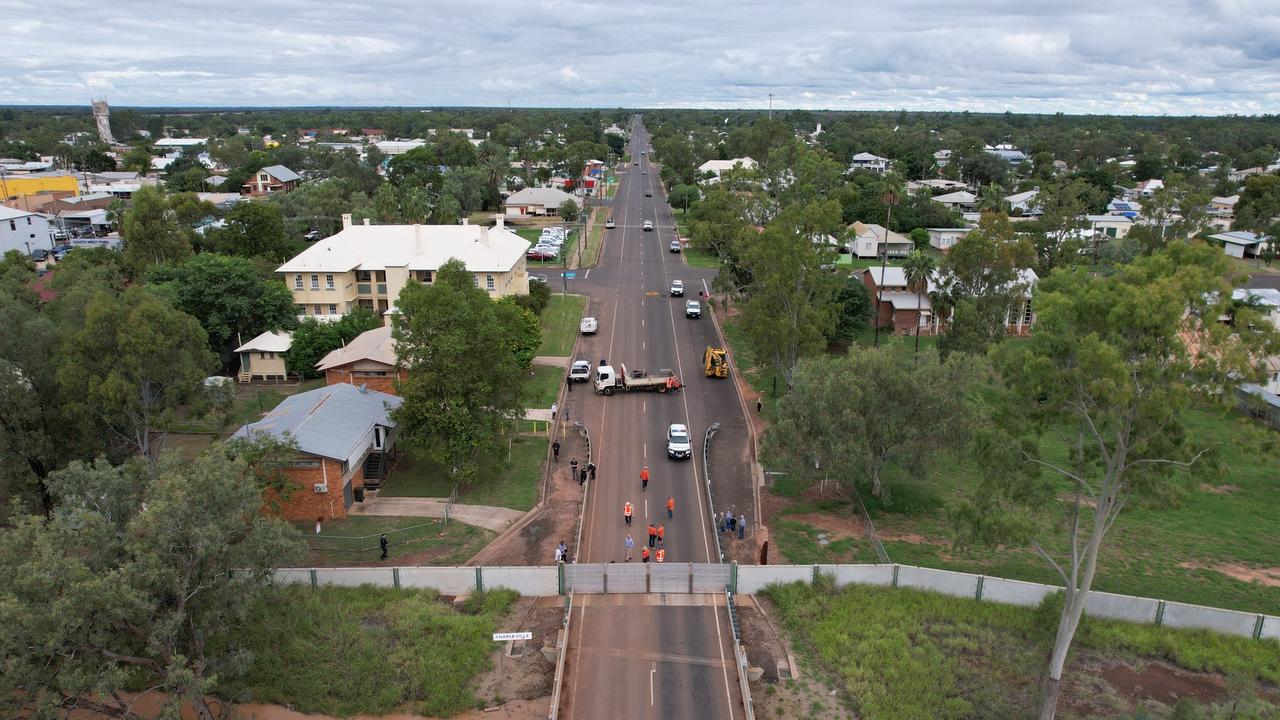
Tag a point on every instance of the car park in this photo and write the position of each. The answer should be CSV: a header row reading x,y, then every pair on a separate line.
x,y
675,246
677,288
648,225
609,224
693,309
678,445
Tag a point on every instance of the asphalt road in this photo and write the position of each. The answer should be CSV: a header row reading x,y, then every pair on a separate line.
x,y
642,658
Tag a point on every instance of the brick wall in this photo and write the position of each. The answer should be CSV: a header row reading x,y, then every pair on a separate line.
x,y
304,503
384,383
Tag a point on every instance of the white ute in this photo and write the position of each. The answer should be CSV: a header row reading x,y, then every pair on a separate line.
x,y
581,371
678,445
588,326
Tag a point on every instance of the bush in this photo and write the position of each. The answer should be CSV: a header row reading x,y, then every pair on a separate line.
x,y
537,299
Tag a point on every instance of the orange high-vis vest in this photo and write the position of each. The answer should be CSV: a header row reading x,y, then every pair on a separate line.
x,y
671,503
644,552
652,530
626,509
662,554
644,474
661,531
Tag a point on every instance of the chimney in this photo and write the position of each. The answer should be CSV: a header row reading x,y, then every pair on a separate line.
x,y
500,221
346,220
464,221
366,222
484,236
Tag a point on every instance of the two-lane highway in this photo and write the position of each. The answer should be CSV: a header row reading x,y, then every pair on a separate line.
x,y
641,656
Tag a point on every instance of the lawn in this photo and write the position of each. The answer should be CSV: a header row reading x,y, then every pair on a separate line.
x,y
514,485
355,540
367,650
758,376
700,259
251,403
560,324
908,654
595,239
544,385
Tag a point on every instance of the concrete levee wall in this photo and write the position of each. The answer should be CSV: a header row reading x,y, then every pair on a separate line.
x,y
352,577
947,582
1015,592
1121,607
529,581
1271,628
754,578
1227,622
858,574
444,580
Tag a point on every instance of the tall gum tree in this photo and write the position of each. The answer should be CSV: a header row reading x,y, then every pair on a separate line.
x,y
1112,369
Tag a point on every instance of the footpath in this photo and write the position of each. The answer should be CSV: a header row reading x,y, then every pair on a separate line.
x,y
497,519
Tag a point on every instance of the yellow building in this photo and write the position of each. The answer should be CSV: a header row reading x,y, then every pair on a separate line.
x,y
368,265
13,187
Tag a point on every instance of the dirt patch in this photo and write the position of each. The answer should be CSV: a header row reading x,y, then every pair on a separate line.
x,y
527,676
913,538
1163,683
1268,577
1218,489
837,527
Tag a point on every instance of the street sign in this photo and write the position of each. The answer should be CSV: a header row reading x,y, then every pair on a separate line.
x,y
503,637
569,275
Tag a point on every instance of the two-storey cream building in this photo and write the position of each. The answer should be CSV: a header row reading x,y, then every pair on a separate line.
x,y
368,265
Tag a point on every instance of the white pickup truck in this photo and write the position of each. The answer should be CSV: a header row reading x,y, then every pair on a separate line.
x,y
588,326
580,371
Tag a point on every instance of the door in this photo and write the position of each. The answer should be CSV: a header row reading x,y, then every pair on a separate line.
x,y
348,496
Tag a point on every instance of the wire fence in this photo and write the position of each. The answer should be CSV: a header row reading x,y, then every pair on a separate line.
x,y
356,543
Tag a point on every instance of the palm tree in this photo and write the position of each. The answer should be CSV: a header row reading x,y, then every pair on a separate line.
x,y
918,267
992,199
891,187
115,213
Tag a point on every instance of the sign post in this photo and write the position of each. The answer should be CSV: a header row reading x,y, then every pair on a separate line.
x,y
504,637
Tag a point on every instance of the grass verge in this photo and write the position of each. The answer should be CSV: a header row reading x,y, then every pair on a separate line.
x,y
355,540
544,385
699,259
368,650
762,379
910,654
514,485
560,324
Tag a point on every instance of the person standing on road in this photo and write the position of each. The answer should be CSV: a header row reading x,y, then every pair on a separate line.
x,y
629,544
573,469
759,405
582,476
662,532
732,523
382,543
671,507
644,554
661,555
653,534
644,478
591,470
568,383
720,522
555,451
626,512
563,552
742,526
554,407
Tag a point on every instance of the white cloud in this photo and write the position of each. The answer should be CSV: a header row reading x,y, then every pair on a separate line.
x,y
1179,56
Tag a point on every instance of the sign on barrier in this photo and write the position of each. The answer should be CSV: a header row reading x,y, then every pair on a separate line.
x,y
503,637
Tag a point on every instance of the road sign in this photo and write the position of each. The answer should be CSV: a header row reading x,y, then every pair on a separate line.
x,y
569,275
503,637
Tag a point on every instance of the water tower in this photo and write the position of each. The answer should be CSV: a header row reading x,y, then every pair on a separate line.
x,y
101,115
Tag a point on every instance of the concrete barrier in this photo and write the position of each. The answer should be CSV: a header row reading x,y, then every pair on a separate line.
x,y
529,581
754,578
859,574
1121,607
1271,628
353,577
444,580
947,582
1228,622
293,576
1015,592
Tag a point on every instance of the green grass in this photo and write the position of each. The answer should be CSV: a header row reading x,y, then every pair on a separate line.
x,y
250,404
560,324
355,540
853,262
595,239
758,377
367,650
681,217
544,385
699,259
908,654
514,485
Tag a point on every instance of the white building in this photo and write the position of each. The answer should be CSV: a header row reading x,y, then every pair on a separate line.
x,y
867,161
962,200
944,238
1024,202
23,231
536,201
717,167
942,158
398,147
870,241
1239,243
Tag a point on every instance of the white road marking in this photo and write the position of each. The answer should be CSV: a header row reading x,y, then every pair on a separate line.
x,y
587,274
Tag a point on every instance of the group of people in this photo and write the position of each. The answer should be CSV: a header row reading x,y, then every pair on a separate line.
x,y
654,550
726,522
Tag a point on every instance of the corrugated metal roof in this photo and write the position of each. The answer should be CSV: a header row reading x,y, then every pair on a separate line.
x,y
268,342
417,247
328,422
281,173
376,344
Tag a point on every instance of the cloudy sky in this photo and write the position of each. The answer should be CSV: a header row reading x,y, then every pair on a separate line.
x,y
1072,56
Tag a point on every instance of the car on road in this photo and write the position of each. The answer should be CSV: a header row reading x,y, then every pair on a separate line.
x,y
580,371
644,172
648,193
538,278
648,225
678,445
693,309
588,326
677,288
675,246
609,224
637,164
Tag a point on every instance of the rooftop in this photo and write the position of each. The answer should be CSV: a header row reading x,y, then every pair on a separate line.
x,y
329,422
376,344
416,247
269,342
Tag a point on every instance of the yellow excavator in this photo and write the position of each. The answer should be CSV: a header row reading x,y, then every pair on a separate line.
x,y
715,363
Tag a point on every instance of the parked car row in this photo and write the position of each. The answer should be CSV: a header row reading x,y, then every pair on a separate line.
x,y
549,243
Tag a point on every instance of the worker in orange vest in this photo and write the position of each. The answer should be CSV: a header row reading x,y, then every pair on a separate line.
x,y
662,555
644,554
644,478
653,534
671,507
626,512
661,532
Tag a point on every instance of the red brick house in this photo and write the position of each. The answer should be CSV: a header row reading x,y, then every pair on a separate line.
x,y
344,435
369,359
270,180
900,307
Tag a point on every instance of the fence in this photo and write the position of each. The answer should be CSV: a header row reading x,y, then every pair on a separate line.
x,y
706,474
617,578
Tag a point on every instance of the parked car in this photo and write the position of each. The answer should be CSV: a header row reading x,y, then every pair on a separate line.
x,y
312,236
60,252
644,172
609,224
648,225
693,309
542,254
677,288
675,246
588,326
678,445
538,278
39,254
580,371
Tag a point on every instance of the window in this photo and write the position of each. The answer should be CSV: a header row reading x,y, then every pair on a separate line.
x,y
377,437
13,225
333,309
266,356
297,282
306,463
328,282
488,282
315,282
1026,312
316,310
28,219
363,276
476,279
426,276
380,276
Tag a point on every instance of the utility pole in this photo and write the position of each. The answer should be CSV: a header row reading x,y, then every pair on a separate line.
x,y
770,106
890,199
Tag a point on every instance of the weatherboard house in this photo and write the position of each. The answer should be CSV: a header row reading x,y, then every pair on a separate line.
x,y
344,436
